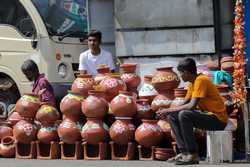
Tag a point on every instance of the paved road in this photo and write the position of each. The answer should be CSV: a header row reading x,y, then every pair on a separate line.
x,y
107,163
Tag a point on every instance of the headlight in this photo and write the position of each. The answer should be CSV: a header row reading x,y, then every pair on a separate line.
x,y
62,70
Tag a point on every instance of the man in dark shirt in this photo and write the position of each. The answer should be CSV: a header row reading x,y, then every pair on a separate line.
x,y
41,86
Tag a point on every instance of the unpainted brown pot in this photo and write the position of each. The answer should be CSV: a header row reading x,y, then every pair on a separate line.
x,y
227,64
7,147
143,109
69,131
5,129
47,134
13,118
25,131
124,104
82,84
70,106
102,72
95,131
95,105
179,94
149,133
147,91
28,105
122,130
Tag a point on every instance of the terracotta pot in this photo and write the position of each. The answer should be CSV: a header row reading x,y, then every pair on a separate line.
x,y
25,131
212,65
28,105
164,153
122,130
69,131
95,105
82,84
13,118
47,134
47,114
5,129
111,85
179,94
227,98
165,79
124,105
144,109
70,106
95,131
149,133
147,91
227,64
7,147
102,72
128,67
161,101
165,126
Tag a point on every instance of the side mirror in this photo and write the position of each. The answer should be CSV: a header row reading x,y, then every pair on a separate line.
x,y
34,44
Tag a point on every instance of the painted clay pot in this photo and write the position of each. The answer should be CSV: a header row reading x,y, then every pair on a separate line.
x,y
101,73
149,133
165,126
161,101
70,106
47,114
28,105
165,79
111,85
131,79
95,131
13,118
227,64
7,147
124,104
82,84
122,130
147,91
5,129
179,94
69,131
95,105
227,98
144,109
47,134
25,131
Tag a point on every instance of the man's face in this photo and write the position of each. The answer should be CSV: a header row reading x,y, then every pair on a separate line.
x,y
29,75
184,75
93,43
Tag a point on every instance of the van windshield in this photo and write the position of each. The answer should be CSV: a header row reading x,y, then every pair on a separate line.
x,y
63,17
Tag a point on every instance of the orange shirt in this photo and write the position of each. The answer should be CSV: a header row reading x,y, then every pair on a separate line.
x,y
209,98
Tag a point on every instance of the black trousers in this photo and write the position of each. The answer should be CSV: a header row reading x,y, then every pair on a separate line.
x,y
183,122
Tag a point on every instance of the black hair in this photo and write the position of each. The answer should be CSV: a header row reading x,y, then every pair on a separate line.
x,y
29,65
188,64
95,33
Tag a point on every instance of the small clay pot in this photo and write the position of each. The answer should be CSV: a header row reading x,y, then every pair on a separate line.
x,y
5,129
102,72
47,134
82,84
7,147
164,153
147,91
128,67
227,64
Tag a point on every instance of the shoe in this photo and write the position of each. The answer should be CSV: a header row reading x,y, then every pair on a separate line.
x,y
177,157
189,159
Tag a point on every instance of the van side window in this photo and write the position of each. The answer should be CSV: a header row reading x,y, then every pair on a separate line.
x,y
13,13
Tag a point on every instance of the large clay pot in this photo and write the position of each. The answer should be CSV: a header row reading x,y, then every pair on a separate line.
x,y
165,79
47,114
7,147
147,91
122,130
5,130
161,101
227,98
124,105
25,131
69,131
111,85
70,106
101,73
165,126
47,134
82,84
13,118
95,105
179,94
95,131
149,133
28,105
131,79
227,64
144,109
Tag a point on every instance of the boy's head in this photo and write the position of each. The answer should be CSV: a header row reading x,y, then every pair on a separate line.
x,y
94,39
187,68
30,70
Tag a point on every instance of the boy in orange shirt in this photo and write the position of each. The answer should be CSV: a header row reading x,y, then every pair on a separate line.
x,y
202,108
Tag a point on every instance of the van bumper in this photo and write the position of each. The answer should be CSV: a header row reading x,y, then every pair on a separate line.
x,y
60,90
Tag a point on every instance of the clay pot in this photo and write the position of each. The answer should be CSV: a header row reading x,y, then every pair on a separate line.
x,y
101,74
70,106
227,64
144,109
111,85
131,79
165,79
179,94
212,65
165,127
82,84
7,147
13,118
28,105
47,114
164,153
149,133
227,98
5,129
95,131
124,105
147,91
69,131
95,105
47,134
25,131
161,101
122,130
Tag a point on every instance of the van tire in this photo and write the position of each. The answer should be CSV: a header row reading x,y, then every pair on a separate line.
x,y
7,101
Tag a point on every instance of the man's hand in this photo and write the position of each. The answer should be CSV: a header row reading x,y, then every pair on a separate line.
x,y
40,92
162,114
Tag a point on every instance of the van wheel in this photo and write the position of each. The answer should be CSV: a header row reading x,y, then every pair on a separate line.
x,y
7,102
